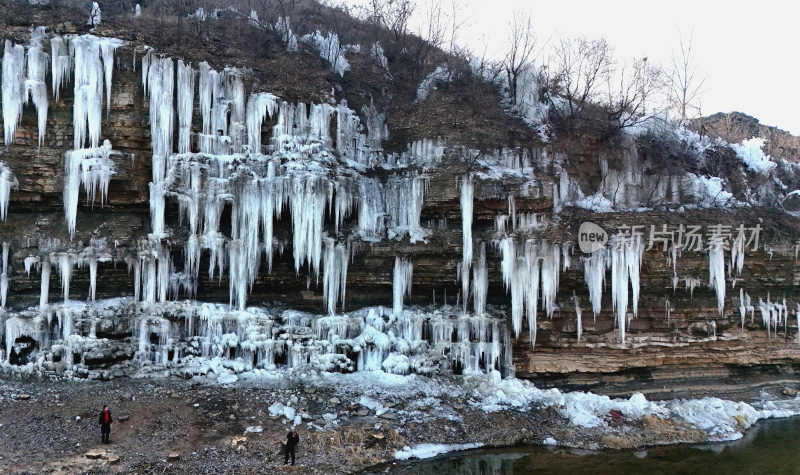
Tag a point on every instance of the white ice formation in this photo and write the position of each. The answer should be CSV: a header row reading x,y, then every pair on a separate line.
x,y
321,169
192,338
401,283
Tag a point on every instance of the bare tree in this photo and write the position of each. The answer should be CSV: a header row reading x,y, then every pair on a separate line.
x,y
456,23
519,57
392,15
579,69
628,90
684,82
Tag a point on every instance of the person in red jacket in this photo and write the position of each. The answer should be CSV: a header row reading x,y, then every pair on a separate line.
x,y
105,421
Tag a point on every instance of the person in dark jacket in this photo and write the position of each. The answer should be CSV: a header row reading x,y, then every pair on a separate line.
x,y
292,439
105,421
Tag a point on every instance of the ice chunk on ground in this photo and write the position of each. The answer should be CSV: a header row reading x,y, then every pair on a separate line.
x,y
424,451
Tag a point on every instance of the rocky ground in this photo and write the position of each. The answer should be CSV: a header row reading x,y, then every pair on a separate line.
x,y
180,426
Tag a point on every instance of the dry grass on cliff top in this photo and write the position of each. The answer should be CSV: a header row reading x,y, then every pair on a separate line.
x,y
467,111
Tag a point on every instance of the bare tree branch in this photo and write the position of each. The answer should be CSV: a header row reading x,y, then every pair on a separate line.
x,y
684,83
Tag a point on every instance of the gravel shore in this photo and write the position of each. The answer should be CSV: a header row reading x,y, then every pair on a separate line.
x,y
186,427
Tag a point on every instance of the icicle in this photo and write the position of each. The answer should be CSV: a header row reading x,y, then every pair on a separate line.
x,y
237,274
716,273
95,16
283,26
626,258
258,106
164,272
691,284
550,267
90,74
45,287
401,285
797,316
521,273
92,278
61,64
467,190
480,282
404,197
234,92
329,49
159,86
7,182
578,313
35,83
91,167
307,202
512,211
594,274
30,261
185,103
737,254
334,280
65,264
207,86
742,307
667,309
4,277
13,88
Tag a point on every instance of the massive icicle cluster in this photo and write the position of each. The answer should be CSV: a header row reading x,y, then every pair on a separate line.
x,y
528,266
624,258
24,81
93,66
324,165
90,167
228,164
191,338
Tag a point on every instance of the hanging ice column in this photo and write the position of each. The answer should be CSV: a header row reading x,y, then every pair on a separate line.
x,y
594,274
4,277
35,84
626,261
65,265
578,316
185,104
92,168
61,64
7,182
480,283
401,283
334,279
466,233
94,66
716,272
44,291
158,84
538,265
13,88
221,95
258,106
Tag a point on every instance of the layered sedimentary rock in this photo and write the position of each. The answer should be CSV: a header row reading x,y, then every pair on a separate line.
x,y
151,180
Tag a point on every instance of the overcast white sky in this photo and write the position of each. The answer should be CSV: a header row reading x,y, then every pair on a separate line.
x,y
746,49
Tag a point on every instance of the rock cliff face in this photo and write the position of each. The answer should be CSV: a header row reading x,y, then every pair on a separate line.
x,y
736,126
522,205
